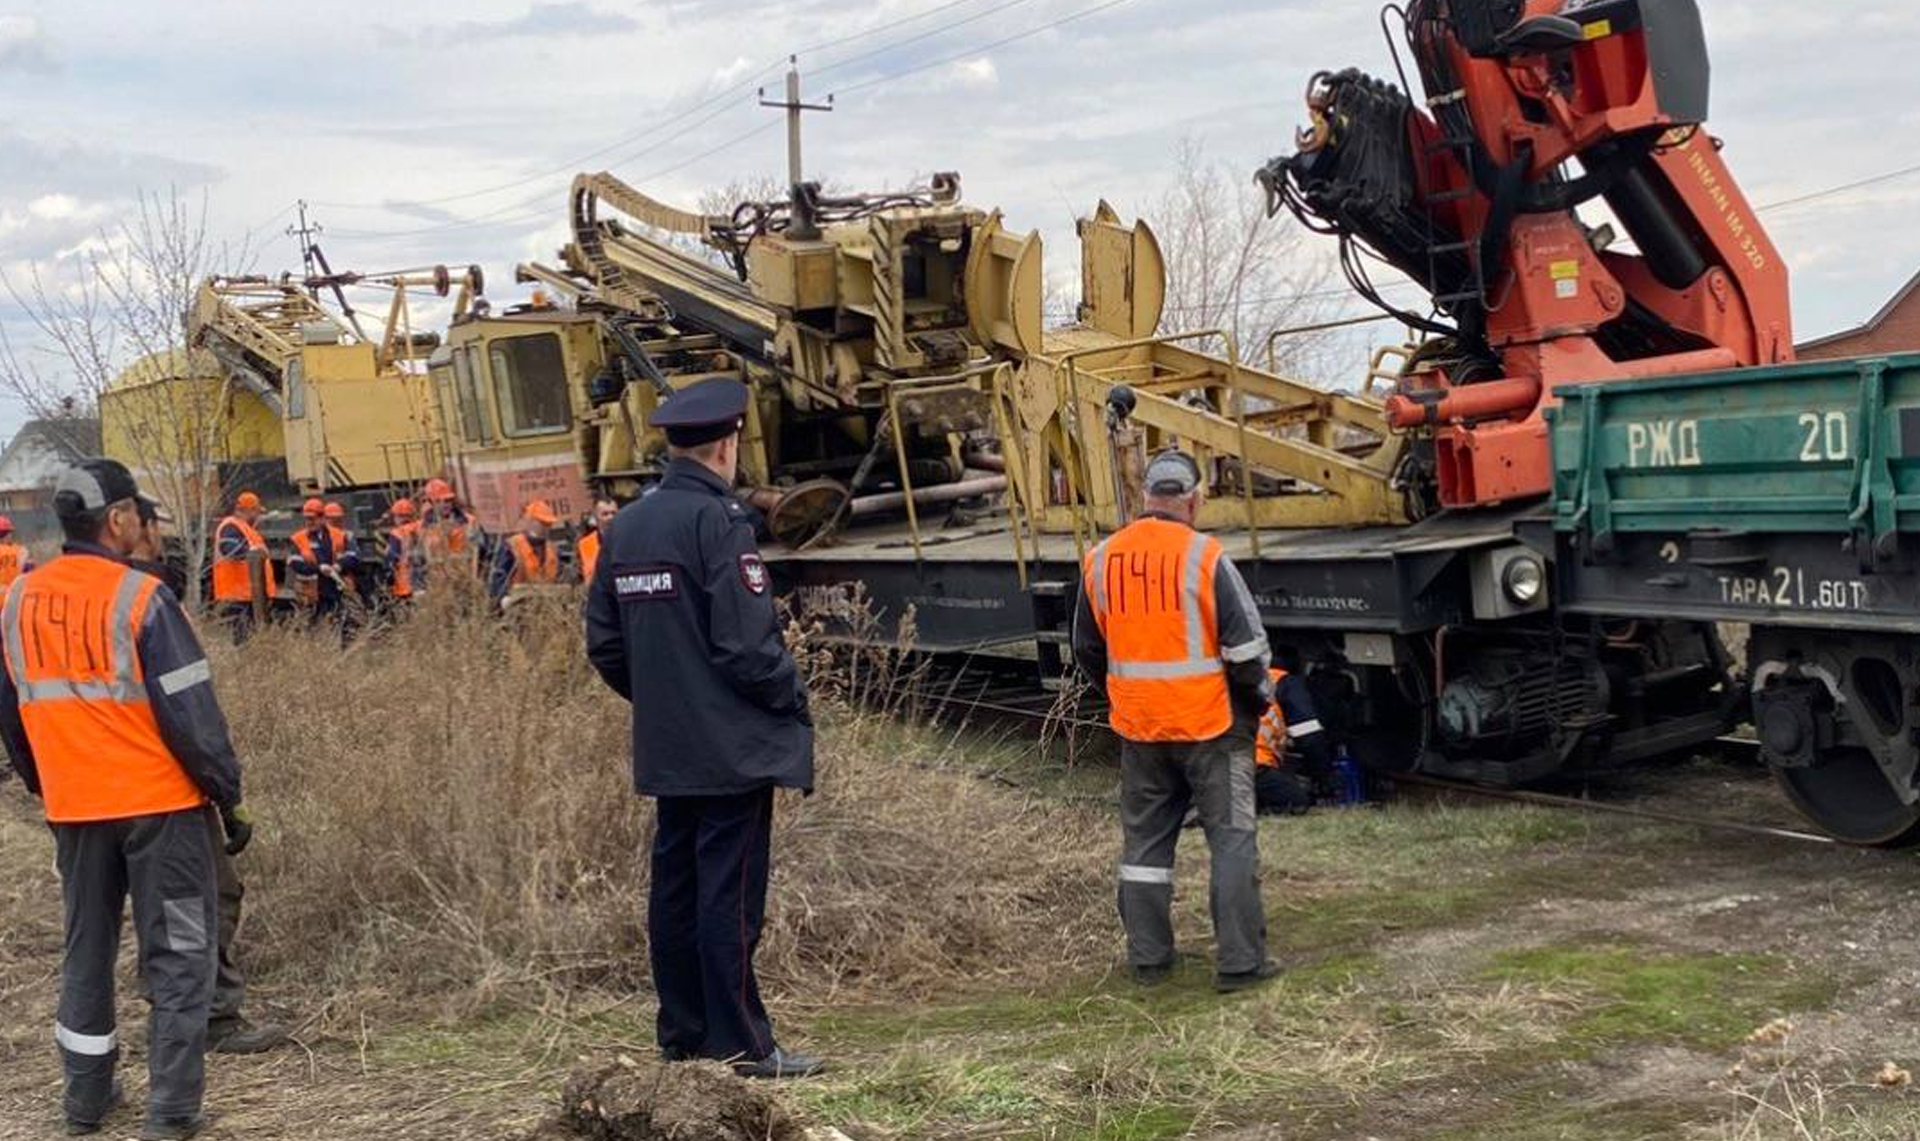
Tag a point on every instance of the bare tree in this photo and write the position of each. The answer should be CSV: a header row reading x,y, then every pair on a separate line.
x,y
114,336
1231,267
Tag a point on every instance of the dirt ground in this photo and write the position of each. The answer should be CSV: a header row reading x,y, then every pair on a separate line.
x,y
1457,968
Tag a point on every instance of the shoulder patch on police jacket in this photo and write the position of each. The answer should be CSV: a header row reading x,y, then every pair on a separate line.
x,y
753,573
645,582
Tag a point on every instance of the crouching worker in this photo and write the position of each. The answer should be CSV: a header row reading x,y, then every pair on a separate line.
x,y
1166,623
1290,751
108,712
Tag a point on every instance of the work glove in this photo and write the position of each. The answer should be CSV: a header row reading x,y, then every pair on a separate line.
x,y
238,823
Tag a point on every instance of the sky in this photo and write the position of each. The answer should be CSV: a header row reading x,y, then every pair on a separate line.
x,y
427,132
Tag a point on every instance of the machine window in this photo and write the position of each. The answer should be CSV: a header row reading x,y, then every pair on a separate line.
x,y
296,389
530,384
466,394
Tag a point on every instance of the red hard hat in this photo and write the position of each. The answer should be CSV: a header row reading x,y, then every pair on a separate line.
x,y
313,509
403,509
335,511
6,525
246,501
438,488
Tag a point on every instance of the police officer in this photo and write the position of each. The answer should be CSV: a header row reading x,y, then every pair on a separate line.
x,y
108,712
680,622
1165,622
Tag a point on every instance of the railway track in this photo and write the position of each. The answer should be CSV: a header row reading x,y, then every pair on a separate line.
x,y
1005,688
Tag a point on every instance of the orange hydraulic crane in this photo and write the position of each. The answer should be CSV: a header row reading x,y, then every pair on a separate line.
x,y
1533,109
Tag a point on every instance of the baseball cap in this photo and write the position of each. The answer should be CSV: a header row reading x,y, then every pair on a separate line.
x,y
92,485
152,510
1172,472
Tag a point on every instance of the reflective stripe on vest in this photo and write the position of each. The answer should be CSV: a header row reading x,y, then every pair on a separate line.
x,y
70,632
527,567
231,582
1270,740
1150,587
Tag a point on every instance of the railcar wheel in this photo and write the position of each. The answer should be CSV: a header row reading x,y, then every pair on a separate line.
x,y
1845,792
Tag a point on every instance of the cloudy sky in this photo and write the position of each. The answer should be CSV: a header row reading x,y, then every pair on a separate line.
x,y
427,132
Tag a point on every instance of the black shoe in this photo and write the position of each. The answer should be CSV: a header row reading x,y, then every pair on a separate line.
x,y
238,1036
780,1064
173,1128
1265,972
677,1054
1152,974
116,1097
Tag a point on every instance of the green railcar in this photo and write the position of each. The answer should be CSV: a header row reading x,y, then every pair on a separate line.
x,y
1786,499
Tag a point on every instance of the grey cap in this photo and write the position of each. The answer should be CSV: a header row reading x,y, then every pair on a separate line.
x,y
91,485
1172,472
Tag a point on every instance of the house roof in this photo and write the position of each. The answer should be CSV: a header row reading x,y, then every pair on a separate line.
x,y
73,437
1873,322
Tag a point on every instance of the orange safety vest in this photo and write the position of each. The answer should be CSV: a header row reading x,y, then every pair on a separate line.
x,y
13,562
309,585
444,535
1150,586
409,535
230,581
1270,740
528,568
71,632
589,552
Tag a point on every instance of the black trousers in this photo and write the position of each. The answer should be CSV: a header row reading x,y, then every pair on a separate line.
x,y
704,912
165,864
237,617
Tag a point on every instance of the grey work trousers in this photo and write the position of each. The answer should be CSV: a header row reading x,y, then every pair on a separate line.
x,y
229,982
165,864
1159,781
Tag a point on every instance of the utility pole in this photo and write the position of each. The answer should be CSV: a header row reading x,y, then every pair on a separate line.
x,y
793,107
306,231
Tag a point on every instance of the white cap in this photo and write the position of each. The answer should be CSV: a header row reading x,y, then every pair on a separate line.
x,y
1172,472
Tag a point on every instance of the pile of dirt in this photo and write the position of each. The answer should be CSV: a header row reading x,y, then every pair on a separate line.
x,y
650,1101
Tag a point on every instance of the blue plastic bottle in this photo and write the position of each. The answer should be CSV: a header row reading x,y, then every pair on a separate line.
x,y
1350,784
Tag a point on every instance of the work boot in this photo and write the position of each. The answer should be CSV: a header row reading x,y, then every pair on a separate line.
x,y
1242,980
173,1128
238,1036
1152,974
672,1054
116,1097
780,1064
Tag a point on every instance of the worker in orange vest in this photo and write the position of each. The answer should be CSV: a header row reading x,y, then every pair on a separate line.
x,y
1165,622
528,555
113,723
588,550
235,544
406,564
322,557
446,528
14,559
1292,758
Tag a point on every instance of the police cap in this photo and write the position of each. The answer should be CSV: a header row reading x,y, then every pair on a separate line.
x,y
702,412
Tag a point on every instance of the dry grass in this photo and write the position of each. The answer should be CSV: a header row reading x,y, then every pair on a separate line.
x,y
449,824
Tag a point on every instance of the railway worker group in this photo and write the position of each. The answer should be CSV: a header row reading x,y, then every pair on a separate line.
x,y
108,715
331,583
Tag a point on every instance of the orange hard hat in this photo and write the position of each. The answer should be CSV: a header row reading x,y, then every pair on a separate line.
x,y
335,511
403,509
438,488
540,511
6,525
246,501
313,509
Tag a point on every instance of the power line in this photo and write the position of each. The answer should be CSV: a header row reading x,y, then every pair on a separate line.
x,y
1830,191
983,48
751,81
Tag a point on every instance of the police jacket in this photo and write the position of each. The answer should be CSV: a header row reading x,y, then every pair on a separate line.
x,y
178,689
680,622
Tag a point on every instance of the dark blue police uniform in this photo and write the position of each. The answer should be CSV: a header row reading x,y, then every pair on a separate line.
x,y
680,621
